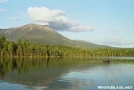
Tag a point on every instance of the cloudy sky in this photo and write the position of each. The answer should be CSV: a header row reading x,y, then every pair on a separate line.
x,y
106,22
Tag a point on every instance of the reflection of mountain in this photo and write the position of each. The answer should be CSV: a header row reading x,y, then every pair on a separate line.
x,y
34,72
38,77
75,84
43,72
37,72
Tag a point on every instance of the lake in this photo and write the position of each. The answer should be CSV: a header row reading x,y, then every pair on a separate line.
x,y
79,73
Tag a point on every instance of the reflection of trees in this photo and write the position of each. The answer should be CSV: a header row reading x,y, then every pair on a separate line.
x,y
23,64
29,71
43,71
5,66
48,61
130,61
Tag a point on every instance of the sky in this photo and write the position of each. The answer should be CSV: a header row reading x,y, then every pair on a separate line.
x,y
104,22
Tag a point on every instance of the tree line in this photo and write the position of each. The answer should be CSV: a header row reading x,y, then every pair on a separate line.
x,y
27,48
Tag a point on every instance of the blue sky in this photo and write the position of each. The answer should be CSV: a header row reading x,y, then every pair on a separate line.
x,y
106,22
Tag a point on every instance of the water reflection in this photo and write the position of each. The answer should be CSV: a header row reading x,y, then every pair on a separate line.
x,y
64,73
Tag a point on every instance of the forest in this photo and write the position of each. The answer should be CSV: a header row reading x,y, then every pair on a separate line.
x,y
27,48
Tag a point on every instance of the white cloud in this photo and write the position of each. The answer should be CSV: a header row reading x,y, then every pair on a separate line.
x,y
56,19
118,43
115,42
1,1
114,31
3,10
23,14
15,18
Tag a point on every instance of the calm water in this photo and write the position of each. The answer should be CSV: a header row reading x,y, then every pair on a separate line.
x,y
65,73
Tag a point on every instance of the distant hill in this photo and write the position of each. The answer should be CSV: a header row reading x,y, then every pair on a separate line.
x,y
88,44
43,34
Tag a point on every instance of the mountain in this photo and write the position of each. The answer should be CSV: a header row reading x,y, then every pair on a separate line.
x,y
43,34
86,44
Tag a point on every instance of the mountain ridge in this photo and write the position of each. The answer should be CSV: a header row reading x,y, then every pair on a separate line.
x,y
43,34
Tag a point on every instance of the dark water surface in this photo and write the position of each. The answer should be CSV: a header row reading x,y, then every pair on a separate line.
x,y
65,73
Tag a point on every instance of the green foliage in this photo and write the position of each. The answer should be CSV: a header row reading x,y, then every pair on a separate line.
x,y
26,48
